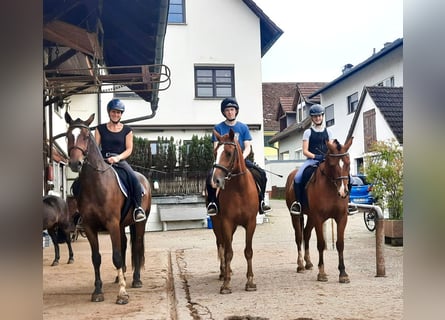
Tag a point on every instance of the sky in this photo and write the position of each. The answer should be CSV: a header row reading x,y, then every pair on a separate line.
x,y
321,36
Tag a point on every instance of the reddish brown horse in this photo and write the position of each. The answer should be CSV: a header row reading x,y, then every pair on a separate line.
x,y
238,206
59,224
100,203
328,196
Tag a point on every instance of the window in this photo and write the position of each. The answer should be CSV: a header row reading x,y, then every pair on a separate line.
x,y
388,82
176,11
329,115
352,102
214,82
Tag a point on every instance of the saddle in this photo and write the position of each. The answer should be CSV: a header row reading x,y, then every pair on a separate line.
x,y
123,181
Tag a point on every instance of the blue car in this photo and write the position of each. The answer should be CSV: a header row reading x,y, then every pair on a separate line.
x,y
361,190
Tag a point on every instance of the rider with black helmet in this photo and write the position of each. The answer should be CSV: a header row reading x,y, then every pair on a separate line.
x,y
116,143
230,110
314,148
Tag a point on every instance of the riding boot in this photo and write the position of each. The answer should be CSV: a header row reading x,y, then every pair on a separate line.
x,y
212,207
138,213
295,208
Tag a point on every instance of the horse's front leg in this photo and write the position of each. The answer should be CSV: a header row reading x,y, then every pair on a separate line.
x,y
343,277
122,297
123,253
248,254
321,245
228,255
97,295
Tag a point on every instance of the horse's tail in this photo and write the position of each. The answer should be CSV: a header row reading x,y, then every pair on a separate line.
x,y
137,249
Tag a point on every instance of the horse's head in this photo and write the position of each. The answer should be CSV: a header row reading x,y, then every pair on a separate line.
x,y
227,159
337,165
78,137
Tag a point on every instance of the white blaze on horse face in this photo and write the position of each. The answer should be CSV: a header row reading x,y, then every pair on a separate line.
x,y
216,182
76,134
341,163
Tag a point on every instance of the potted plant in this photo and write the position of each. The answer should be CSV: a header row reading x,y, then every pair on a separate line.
x,y
384,167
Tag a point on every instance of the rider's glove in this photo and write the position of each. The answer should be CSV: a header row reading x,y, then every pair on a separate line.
x,y
319,157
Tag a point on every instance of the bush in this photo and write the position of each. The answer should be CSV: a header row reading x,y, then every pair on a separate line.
x,y
384,168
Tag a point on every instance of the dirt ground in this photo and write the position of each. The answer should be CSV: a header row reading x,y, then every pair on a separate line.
x,y
181,278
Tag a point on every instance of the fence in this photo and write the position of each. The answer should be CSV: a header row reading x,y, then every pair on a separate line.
x,y
178,182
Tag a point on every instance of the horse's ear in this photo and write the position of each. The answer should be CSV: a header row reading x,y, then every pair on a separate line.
x,y
68,118
90,119
231,134
348,143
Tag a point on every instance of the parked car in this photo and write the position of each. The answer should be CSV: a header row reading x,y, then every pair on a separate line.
x,y
361,190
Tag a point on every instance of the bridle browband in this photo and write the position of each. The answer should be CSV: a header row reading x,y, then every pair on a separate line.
x,y
85,152
336,155
228,171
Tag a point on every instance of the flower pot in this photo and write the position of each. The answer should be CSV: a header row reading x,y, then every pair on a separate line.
x,y
393,232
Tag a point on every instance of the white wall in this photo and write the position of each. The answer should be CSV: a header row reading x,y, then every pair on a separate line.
x,y
219,33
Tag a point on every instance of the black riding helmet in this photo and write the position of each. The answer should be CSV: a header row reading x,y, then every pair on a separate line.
x,y
316,110
116,104
229,102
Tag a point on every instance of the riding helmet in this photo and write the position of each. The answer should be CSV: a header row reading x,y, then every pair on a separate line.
x,y
229,102
116,104
316,110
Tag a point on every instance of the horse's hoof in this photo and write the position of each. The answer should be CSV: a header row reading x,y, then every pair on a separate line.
x,y
97,297
300,269
322,277
136,284
70,261
55,263
225,290
343,279
122,299
250,287
309,266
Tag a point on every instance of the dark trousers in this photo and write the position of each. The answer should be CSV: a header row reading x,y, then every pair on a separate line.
x,y
134,185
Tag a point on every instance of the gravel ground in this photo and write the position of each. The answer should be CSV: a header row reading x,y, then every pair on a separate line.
x,y
181,278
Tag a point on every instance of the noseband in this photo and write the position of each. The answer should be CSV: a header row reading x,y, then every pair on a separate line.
x,y
229,171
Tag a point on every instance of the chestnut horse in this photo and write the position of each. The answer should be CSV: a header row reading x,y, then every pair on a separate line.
x,y
59,224
327,197
100,202
238,206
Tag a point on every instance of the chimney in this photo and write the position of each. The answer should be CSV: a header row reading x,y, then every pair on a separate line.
x,y
347,67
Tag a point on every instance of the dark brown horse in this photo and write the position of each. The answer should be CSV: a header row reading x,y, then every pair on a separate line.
x,y
238,206
59,224
100,202
328,196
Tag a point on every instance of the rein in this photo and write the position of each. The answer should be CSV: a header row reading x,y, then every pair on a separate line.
x,y
228,171
85,152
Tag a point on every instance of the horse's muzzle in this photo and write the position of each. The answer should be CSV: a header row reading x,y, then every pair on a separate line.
x,y
76,165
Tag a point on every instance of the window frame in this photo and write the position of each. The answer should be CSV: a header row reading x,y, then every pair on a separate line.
x,y
214,85
330,121
180,4
352,102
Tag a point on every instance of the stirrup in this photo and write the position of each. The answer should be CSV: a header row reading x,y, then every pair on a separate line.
x,y
212,209
139,215
295,208
264,207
